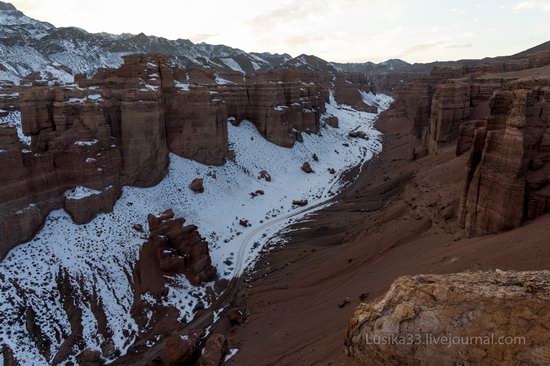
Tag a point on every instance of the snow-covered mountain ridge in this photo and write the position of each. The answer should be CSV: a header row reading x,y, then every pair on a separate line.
x,y
28,46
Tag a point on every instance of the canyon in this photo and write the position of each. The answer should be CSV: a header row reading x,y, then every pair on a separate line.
x,y
167,203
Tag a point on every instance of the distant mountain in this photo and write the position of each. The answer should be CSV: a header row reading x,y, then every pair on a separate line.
x,y
312,63
371,67
541,47
28,45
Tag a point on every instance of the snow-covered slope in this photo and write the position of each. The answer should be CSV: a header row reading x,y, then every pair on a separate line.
x,y
28,45
104,251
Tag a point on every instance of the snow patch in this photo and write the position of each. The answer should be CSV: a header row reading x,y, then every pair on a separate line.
x,y
13,119
181,86
85,143
80,192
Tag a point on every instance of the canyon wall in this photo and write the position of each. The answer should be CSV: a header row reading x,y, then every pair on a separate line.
x,y
79,144
498,115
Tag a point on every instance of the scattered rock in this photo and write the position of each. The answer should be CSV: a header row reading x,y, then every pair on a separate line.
x,y
307,168
259,192
197,185
265,175
331,170
138,227
300,203
332,121
299,136
315,157
359,134
344,302
244,223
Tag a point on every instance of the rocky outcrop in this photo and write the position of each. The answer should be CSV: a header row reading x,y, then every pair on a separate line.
x,y
414,101
84,209
278,103
172,248
348,88
479,318
506,181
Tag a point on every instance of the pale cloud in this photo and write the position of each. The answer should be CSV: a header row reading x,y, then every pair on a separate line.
x,y
533,4
201,37
282,16
467,45
420,48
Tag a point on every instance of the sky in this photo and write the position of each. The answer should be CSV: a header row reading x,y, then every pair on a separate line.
x,y
335,30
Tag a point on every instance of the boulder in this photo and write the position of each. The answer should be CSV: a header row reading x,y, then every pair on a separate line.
x,y
265,176
197,185
456,318
307,168
332,121
179,350
214,351
359,135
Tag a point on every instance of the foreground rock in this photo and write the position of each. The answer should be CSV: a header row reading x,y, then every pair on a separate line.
x,y
475,311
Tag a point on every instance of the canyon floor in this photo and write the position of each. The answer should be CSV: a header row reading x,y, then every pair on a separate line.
x,y
395,219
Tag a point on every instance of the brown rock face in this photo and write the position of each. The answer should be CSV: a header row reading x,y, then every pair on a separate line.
x,y
196,125
278,103
347,90
84,210
506,178
450,108
494,318
414,101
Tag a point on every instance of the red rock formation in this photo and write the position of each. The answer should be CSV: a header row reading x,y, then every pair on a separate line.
x,y
172,248
450,108
505,182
